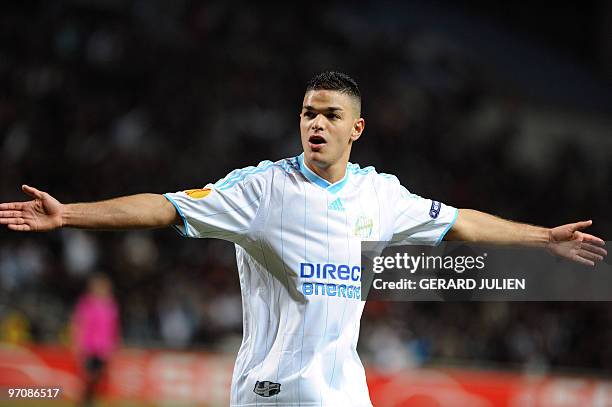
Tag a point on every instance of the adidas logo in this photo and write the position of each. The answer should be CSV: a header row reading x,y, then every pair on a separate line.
x,y
336,206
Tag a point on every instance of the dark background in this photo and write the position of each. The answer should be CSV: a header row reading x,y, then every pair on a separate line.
x,y
501,108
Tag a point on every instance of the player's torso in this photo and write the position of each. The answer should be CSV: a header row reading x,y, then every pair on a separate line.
x,y
302,292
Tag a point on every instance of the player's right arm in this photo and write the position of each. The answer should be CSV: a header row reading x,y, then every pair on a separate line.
x,y
141,211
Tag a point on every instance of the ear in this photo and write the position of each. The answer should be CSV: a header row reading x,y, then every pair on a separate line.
x,y
358,128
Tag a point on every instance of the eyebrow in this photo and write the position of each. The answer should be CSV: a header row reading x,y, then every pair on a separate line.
x,y
329,109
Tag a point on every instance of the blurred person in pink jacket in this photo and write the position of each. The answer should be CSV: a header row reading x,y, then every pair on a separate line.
x,y
95,329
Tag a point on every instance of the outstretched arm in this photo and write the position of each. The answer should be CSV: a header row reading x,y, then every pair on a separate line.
x,y
44,213
565,241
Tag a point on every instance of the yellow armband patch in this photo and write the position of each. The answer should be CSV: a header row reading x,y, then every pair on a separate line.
x,y
198,193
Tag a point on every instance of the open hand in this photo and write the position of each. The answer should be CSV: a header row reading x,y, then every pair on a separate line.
x,y
569,242
41,214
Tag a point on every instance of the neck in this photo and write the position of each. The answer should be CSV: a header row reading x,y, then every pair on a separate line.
x,y
331,173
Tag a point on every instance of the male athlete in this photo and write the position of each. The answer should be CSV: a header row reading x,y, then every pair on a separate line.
x,y
296,222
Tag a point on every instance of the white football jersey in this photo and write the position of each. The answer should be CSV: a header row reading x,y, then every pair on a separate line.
x,y
298,249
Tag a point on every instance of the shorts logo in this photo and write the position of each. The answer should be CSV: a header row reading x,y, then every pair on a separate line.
x,y
363,226
434,211
266,388
198,193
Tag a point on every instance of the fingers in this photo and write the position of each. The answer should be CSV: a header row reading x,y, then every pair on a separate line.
x,y
584,261
33,192
11,206
14,220
590,253
593,239
594,249
585,254
8,217
11,214
11,221
20,228
581,225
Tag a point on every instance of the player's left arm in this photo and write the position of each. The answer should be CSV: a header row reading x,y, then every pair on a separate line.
x,y
566,241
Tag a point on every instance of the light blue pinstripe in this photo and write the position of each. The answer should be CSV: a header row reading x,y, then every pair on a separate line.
x,y
305,308
348,244
286,274
326,302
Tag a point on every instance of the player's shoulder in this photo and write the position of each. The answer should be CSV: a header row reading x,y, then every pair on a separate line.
x,y
245,174
257,173
288,165
370,173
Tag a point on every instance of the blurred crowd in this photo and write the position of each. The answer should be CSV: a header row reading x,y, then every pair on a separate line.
x,y
106,98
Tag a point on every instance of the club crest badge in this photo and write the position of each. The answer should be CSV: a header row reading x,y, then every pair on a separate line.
x,y
363,226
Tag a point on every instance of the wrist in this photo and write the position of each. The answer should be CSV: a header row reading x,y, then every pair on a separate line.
x,y
549,238
64,216
538,236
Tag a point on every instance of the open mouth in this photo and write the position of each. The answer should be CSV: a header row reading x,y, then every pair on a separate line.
x,y
316,140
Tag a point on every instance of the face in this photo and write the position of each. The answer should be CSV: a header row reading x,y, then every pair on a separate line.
x,y
100,286
329,124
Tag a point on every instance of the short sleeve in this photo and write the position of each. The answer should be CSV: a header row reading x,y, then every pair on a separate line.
x,y
419,220
224,210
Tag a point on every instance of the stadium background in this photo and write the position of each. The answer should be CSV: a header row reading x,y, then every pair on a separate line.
x,y
502,108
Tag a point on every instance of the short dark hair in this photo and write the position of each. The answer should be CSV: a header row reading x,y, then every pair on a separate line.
x,y
337,81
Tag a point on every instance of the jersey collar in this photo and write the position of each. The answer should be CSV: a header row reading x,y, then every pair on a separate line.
x,y
322,182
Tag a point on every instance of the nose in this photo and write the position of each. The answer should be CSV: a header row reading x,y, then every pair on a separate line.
x,y
317,123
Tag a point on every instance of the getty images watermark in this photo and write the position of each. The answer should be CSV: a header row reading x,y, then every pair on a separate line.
x,y
456,271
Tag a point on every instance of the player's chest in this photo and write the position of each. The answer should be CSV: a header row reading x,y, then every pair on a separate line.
x,y
300,212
